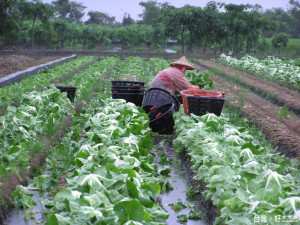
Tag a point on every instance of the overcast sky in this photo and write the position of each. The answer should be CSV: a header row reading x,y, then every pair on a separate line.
x,y
118,8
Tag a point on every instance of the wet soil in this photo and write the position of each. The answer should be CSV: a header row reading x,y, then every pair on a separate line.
x,y
280,127
36,161
13,63
210,210
181,179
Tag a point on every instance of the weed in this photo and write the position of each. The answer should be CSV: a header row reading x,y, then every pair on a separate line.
x,y
177,206
193,192
283,114
182,218
195,215
242,100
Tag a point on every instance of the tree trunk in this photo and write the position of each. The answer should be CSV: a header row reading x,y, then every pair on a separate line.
x,y
2,39
248,46
191,42
32,34
182,40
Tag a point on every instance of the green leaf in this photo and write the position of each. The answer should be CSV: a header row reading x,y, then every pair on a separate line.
x,y
165,171
3,172
97,200
56,219
130,222
130,172
132,189
195,215
146,201
182,218
93,181
147,167
129,210
152,187
157,213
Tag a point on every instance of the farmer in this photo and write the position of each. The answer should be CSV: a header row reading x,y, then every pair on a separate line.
x,y
173,79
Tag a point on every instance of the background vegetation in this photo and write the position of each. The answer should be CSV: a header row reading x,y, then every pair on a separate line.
x,y
218,26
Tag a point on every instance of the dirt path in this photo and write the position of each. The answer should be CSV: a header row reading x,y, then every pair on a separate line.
x,y
13,63
281,132
281,95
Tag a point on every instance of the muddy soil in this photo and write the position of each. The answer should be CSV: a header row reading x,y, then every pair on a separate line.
x,y
281,128
13,63
280,94
36,161
180,172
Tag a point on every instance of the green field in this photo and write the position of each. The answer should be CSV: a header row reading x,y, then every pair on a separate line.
x,y
292,48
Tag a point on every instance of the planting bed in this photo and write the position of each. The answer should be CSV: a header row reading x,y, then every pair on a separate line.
x,y
279,94
280,126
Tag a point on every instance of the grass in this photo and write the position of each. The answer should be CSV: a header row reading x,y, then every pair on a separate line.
x,y
264,45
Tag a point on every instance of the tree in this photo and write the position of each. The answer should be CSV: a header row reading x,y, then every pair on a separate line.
x,y
10,19
282,20
99,18
76,12
236,25
244,24
62,8
72,11
151,11
62,28
133,35
37,10
279,40
268,26
212,18
127,20
192,21
254,21
174,23
295,18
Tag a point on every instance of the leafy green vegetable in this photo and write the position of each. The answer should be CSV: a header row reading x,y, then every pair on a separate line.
x,y
177,206
242,177
22,197
271,67
203,80
182,218
195,215
129,210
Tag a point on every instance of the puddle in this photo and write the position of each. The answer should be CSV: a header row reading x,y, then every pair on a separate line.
x,y
179,181
17,215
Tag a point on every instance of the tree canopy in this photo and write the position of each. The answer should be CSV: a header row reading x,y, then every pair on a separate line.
x,y
218,26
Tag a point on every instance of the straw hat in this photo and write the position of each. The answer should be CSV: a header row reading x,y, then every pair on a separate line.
x,y
183,62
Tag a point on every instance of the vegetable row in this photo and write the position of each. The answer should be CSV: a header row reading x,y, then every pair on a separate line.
x,y
270,67
39,114
10,94
244,179
111,177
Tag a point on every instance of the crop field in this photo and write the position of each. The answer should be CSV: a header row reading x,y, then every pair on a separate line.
x,y
95,160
